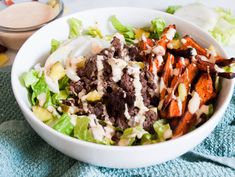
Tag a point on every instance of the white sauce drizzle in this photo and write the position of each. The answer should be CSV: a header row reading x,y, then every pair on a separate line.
x,y
100,67
183,41
218,69
179,102
126,113
194,103
162,85
117,66
159,50
170,33
139,103
155,77
41,99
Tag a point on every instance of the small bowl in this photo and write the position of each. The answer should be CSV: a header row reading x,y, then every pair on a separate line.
x,y
13,38
102,155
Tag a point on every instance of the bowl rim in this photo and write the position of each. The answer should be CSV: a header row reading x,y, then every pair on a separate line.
x,y
27,110
32,28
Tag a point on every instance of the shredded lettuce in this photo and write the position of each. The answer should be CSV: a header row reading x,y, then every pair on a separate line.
x,y
81,130
59,96
63,82
55,44
39,88
94,32
75,27
130,134
30,78
126,31
64,125
157,27
162,129
224,31
172,9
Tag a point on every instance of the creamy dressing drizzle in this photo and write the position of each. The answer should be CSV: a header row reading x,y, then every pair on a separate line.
x,y
100,67
194,103
162,85
126,113
159,50
155,77
170,33
117,66
82,96
179,102
139,103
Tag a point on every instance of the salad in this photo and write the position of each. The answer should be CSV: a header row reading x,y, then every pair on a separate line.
x,y
141,85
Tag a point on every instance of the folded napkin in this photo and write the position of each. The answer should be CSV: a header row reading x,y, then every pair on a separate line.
x,y
24,153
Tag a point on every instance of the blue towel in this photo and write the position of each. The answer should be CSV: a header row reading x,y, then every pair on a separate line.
x,y
24,153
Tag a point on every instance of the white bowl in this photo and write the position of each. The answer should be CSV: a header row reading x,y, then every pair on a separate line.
x,y
37,48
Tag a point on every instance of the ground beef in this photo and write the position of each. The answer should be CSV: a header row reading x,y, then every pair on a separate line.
x,y
90,69
134,54
75,87
151,117
121,122
127,82
97,109
118,47
114,101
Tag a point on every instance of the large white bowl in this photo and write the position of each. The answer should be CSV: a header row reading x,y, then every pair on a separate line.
x,y
37,48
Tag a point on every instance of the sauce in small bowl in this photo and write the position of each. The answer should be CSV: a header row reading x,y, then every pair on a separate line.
x,y
21,20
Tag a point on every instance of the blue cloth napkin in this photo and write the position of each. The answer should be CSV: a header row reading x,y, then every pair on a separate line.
x,y
24,153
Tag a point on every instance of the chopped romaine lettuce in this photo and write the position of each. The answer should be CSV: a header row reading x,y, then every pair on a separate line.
x,y
39,88
226,14
30,78
129,135
162,129
94,32
55,44
146,139
157,27
172,9
81,130
59,96
224,31
75,27
126,31
64,125
63,82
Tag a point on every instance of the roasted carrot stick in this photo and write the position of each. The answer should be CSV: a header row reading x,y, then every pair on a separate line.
x,y
167,35
166,75
204,88
187,41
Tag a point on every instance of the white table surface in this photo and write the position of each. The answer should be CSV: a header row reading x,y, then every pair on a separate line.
x,y
72,6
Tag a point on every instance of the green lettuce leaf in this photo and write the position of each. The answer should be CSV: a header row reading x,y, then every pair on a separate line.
x,y
130,134
39,88
75,27
224,31
157,27
55,44
162,129
172,9
63,125
81,130
59,96
94,32
126,31
63,82
30,78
